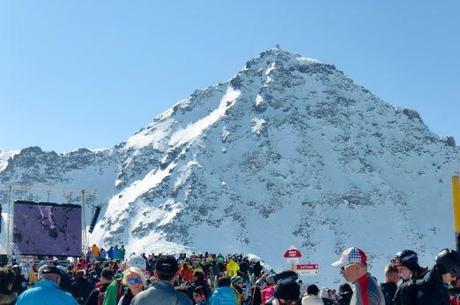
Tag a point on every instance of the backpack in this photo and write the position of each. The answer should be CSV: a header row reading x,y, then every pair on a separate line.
x,y
113,292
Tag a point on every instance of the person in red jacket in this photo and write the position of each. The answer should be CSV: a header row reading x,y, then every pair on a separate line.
x,y
269,290
186,273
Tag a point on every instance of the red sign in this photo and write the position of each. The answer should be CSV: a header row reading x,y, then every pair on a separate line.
x,y
307,267
292,253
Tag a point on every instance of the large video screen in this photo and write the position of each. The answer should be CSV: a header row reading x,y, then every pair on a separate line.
x,y
47,228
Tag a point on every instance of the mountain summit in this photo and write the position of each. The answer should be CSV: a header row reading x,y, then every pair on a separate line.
x,y
289,151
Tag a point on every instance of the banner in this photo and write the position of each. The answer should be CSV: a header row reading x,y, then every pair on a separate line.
x,y
47,229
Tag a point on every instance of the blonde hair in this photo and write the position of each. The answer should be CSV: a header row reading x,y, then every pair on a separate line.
x,y
133,270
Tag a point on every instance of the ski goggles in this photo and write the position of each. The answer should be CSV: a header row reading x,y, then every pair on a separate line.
x,y
134,281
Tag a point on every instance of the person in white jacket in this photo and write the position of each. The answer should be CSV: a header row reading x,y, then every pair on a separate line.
x,y
311,296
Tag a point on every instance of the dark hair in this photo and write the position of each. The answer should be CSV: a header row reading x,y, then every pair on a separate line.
x,y
391,269
312,289
7,277
107,274
345,288
224,282
79,274
199,274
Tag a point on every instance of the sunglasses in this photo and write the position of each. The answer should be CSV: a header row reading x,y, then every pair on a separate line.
x,y
343,268
134,281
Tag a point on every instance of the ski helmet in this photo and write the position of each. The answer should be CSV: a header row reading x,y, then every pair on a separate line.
x,y
236,280
407,258
448,261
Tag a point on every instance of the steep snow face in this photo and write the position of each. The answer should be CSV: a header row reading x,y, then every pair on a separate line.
x,y
4,157
290,151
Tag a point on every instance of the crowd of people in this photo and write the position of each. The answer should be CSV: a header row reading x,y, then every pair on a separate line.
x,y
106,278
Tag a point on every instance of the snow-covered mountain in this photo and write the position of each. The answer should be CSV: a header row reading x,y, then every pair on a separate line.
x,y
290,151
5,155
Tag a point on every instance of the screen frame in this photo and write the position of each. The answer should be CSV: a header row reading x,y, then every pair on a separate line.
x,y
41,203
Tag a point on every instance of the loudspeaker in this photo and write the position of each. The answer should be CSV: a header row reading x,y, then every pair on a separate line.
x,y
94,219
3,260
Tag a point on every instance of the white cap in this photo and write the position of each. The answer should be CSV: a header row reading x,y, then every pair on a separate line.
x,y
137,261
351,255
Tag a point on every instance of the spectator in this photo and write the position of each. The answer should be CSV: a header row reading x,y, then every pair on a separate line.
x,y
47,291
311,297
7,296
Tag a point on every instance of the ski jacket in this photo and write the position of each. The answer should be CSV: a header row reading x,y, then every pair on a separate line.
x,y
389,292
223,296
344,298
406,294
80,290
8,298
257,269
238,295
186,274
232,268
110,253
161,292
431,290
312,300
122,253
367,292
268,293
95,251
95,296
46,292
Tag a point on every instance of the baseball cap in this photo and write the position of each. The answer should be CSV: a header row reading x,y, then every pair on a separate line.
x,y
167,264
351,255
49,269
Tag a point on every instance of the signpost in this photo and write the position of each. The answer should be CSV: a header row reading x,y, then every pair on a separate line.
x,y
292,256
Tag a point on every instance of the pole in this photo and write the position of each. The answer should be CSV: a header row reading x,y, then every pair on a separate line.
x,y
9,246
83,219
456,200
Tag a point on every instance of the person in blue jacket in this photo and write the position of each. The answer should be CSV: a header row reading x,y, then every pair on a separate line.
x,y
47,290
110,253
223,295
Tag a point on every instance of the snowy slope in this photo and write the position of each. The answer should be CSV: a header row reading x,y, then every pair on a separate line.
x,y
290,151
4,157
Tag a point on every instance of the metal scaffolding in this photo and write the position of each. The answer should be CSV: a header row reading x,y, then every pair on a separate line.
x,y
11,188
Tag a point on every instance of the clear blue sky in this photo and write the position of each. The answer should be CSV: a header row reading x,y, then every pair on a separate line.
x,y
90,73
